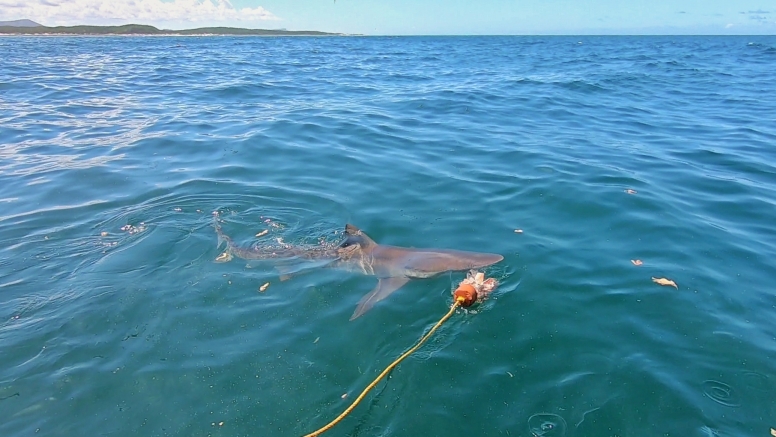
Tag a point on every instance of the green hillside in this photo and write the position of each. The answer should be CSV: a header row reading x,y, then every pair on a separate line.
x,y
141,29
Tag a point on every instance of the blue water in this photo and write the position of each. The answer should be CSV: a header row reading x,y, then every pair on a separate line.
x,y
114,152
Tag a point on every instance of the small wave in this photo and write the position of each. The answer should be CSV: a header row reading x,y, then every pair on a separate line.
x,y
721,393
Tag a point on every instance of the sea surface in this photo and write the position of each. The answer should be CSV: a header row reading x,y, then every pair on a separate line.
x,y
576,158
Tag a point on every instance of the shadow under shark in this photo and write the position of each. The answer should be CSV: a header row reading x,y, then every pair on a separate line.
x,y
393,266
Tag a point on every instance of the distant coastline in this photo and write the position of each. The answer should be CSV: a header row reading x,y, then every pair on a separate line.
x,y
142,29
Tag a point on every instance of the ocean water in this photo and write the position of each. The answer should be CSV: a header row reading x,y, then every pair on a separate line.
x,y
115,151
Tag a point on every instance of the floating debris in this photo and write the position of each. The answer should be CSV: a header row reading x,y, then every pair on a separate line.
x,y
134,229
773,432
664,281
316,340
637,262
262,233
103,234
518,231
344,395
272,223
264,287
629,191
177,209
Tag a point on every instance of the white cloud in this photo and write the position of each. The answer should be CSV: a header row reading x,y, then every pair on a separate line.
x,y
70,12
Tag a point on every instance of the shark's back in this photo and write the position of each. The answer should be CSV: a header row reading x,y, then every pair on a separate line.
x,y
425,263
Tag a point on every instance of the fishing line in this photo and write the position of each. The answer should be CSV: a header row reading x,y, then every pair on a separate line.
x,y
464,296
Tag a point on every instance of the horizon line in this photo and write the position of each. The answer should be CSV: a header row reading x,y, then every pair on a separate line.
x,y
21,31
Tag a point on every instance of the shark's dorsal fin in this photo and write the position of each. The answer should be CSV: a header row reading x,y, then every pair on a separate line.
x,y
357,235
385,286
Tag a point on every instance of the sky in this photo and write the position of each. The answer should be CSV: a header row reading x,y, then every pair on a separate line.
x,y
417,17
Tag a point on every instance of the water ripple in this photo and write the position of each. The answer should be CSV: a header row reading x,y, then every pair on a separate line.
x,y
721,393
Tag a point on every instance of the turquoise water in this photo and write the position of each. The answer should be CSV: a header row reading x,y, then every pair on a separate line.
x,y
114,152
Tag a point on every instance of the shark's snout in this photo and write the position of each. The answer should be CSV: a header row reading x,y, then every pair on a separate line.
x,y
486,259
459,260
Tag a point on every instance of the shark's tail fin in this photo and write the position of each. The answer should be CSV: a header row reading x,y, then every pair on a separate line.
x,y
217,226
227,255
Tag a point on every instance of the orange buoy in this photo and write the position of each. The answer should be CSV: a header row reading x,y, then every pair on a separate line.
x,y
467,295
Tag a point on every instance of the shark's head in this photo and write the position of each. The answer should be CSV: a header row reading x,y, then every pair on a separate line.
x,y
348,253
355,237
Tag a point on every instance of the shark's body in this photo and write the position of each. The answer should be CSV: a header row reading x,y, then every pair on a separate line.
x,y
393,266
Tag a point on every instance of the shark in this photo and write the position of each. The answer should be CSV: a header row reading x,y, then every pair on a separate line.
x,y
393,266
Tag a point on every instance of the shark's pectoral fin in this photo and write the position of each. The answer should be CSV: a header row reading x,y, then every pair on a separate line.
x,y
385,286
224,257
286,272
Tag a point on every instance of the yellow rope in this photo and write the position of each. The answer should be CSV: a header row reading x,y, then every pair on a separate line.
x,y
396,362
